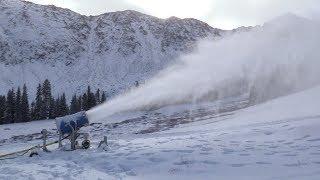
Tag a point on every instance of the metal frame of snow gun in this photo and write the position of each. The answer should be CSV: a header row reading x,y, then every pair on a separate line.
x,y
25,151
67,126
70,125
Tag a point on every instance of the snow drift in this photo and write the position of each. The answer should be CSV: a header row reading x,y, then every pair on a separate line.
x,y
276,59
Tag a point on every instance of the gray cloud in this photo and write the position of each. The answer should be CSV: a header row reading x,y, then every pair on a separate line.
x,y
253,12
95,7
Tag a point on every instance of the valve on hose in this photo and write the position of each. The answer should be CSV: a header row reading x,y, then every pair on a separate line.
x,y
86,141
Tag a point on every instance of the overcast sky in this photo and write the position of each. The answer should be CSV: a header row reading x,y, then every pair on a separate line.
x,y
226,14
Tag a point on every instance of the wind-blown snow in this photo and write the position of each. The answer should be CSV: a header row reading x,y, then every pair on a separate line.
x,y
276,59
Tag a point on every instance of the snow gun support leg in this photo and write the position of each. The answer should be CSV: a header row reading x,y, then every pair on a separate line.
x,y
104,143
44,133
73,138
60,140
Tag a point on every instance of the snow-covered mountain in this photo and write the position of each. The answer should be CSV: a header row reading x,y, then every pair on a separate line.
x,y
110,51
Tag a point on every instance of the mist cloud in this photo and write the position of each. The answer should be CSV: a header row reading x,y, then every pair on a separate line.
x,y
278,58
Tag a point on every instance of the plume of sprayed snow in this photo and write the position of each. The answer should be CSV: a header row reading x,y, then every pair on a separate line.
x,y
275,59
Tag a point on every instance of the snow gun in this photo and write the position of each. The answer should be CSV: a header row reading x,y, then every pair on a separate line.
x,y
68,127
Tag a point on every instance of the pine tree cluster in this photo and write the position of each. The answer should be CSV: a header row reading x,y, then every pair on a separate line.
x,y
15,107
87,100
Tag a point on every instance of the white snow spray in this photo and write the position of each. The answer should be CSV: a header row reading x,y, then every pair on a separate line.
x,y
278,58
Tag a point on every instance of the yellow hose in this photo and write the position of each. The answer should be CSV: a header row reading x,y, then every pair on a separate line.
x,y
26,150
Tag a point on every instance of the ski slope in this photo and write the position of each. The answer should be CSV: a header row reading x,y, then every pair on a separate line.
x,y
279,139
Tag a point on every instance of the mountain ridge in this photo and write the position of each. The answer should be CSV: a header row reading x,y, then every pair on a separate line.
x,y
109,51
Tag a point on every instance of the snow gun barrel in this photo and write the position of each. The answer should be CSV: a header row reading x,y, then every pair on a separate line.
x,y
70,123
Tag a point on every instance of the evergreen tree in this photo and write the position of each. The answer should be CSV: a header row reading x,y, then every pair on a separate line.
x,y
103,97
47,99
74,108
63,108
85,102
57,107
33,114
25,111
18,115
39,110
91,101
98,97
79,102
2,109
52,109
10,107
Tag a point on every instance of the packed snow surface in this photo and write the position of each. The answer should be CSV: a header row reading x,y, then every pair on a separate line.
x,y
279,139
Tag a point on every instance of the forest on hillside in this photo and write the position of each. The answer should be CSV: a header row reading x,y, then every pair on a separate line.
x,y
15,106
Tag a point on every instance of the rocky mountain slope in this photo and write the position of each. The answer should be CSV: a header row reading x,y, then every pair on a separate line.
x,y
110,51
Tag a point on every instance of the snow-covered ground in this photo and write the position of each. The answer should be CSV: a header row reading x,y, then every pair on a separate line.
x,y
279,139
